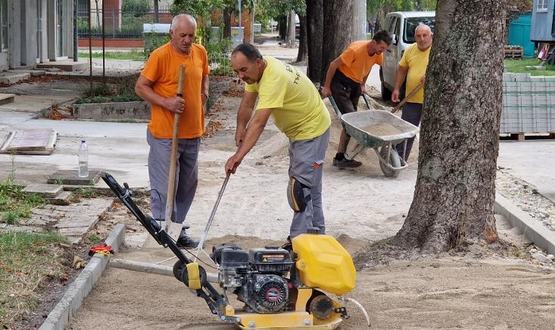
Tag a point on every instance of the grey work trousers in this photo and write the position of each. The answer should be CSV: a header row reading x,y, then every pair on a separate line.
x,y
306,161
186,175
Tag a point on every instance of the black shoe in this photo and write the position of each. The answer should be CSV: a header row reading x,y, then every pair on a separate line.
x,y
186,242
346,163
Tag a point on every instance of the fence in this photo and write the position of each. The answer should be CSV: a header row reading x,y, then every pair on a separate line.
x,y
118,24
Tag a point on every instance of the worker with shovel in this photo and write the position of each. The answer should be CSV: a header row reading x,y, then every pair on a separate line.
x,y
291,99
346,81
412,67
172,163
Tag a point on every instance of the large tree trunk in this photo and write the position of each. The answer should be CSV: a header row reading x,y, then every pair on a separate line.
x,y
455,188
315,38
338,26
301,54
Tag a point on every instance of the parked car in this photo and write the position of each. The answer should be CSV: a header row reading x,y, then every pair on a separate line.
x,y
400,26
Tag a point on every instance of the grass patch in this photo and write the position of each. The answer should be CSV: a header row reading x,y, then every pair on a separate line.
x,y
120,89
27,262
525,66
133,55
15,204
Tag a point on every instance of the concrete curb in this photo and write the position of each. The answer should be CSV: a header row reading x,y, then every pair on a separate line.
x,y
532,229
62,313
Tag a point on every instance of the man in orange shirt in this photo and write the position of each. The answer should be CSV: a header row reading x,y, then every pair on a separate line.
x,y
157,85
346,81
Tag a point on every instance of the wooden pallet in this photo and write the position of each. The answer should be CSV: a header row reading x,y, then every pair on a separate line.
x,y
526,136
515,52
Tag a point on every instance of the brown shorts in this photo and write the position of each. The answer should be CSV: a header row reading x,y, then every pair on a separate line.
x,y
345,92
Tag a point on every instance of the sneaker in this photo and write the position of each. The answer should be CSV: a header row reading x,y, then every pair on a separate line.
x,y
346,163
185,241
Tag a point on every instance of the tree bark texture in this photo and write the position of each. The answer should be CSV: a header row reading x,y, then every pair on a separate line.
x,y
227,23
301,54
315,38
455,188
338,27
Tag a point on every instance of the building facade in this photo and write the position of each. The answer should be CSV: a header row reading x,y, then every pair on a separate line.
x,y
35,31
543,21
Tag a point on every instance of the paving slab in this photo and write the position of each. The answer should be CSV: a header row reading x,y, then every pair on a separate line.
x,y
8,78
43,189
6,98
72,221
71,177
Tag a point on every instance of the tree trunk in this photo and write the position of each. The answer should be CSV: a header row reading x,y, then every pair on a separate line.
x,y
455,187
282,26
315,38
301,54
227,23
338,15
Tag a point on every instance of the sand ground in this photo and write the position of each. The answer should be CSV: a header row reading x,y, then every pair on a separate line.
x,y
469,291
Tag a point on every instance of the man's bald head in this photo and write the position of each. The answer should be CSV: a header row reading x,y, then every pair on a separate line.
x,y
423,36
183,19
183,31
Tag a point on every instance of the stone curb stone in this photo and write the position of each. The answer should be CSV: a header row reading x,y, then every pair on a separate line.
x,y
63,312
532,229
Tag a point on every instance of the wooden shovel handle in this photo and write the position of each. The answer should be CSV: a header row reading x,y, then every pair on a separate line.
x,y
170,196
412,92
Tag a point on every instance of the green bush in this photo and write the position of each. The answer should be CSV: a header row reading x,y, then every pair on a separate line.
x,y
116,90
153,41
136,7
218,57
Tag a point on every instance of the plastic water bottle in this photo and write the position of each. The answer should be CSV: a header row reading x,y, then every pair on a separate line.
x,y
83,160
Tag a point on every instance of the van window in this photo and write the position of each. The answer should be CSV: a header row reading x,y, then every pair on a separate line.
x,y
411,24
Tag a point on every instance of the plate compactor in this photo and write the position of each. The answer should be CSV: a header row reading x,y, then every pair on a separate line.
x,y
297,288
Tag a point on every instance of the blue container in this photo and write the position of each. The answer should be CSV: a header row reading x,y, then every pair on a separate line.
x,y
519,34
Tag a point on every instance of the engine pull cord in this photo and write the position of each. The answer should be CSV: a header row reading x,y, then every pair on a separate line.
x,y
211,219
359,305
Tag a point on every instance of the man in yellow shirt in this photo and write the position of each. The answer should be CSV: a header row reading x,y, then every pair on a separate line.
x,y
413,67
291,99
346,81
157,85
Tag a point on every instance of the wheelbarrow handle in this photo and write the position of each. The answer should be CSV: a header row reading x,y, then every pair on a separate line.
x,y
334,106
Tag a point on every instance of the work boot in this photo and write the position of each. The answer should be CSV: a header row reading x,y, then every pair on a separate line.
x,y
185,241
346,163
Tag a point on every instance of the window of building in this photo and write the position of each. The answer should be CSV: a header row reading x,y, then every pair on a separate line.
x,y
3,25
542,5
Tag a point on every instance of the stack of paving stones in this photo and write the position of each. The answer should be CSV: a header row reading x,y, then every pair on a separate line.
x,y
70,220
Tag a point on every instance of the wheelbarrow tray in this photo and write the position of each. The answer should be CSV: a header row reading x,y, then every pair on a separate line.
x,y
364,127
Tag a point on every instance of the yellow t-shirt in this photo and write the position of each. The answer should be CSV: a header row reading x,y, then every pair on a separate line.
x,y
416,61
356,63
297,108
162,68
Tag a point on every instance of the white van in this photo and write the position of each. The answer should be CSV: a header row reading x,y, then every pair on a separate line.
x,y
400,25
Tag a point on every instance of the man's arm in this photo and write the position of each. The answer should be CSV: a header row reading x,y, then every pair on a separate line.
x,y
244,115
253,131
326,89
399,78
143,88
204,89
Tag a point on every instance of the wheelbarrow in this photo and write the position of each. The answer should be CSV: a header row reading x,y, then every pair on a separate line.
x,y
380,130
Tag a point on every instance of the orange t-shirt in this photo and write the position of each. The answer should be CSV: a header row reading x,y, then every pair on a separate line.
x,y
355,61
162,68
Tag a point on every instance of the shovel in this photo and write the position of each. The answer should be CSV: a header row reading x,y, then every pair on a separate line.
x,y
170,196
412,92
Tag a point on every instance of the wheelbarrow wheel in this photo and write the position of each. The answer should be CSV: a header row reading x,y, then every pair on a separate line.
x,y
394,161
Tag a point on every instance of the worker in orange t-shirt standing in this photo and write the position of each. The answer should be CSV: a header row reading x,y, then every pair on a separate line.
x,y
157,85
346,81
